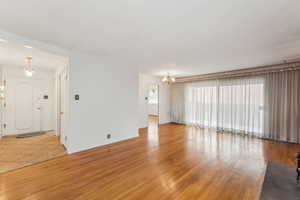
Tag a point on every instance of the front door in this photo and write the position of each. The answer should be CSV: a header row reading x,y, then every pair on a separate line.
x,y
22,106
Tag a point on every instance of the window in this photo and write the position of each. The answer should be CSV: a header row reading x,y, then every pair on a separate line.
x,y
153,95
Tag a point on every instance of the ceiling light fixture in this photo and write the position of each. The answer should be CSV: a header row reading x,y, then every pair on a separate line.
x,y
28,69
168,79
28,47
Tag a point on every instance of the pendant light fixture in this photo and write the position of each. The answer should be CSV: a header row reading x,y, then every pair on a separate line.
x,y
28,69
168,79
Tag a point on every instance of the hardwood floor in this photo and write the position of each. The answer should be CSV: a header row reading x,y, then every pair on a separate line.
x,y
179,162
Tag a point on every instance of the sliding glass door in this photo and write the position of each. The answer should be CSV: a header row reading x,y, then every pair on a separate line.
x,y
234,105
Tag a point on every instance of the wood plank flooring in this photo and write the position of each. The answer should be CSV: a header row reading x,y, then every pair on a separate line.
x,y
173,162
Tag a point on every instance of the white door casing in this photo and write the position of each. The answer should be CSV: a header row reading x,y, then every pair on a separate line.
x,y
62,106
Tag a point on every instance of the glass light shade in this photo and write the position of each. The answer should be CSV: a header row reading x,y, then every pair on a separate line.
x,y
29,72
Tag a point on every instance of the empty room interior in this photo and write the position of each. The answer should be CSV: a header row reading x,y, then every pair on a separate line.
x,y
147,100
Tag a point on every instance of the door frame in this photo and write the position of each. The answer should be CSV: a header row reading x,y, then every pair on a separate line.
x,y
52,49
63,74
158,102
2,101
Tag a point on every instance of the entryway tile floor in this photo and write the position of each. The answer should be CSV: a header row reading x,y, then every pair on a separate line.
x,y
20,152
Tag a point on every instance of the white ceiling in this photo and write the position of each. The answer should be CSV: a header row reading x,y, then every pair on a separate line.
x,y
13,54
182,36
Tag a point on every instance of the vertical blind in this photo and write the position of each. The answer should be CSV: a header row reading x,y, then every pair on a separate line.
x,y
255,105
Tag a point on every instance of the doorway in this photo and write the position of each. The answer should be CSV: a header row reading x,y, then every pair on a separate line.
x,y
34,106
62,106
153,108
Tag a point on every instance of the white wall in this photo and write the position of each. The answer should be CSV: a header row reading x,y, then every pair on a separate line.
x,y
108,101
153,109
43,84
108,97
145,81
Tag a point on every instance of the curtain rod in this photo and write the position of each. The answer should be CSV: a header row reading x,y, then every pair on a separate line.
x,y
260,70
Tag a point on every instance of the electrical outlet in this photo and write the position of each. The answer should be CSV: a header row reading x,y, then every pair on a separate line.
x,y
108,136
